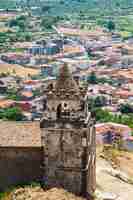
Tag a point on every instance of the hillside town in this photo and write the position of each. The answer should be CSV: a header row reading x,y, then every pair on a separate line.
x,y
100,63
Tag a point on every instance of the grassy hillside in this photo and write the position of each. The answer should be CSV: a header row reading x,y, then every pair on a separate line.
x,y
84,12
68,6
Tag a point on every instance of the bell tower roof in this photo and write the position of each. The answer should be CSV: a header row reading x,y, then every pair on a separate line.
x,y
65,81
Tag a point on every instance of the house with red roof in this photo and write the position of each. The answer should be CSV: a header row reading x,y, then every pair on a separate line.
x,y
128,143
106,132
16,58
27,95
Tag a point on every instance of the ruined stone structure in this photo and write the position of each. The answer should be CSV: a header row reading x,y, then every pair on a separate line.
x,y
19,165
20,153
68,138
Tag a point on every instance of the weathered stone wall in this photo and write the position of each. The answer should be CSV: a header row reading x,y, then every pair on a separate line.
x,y
19,165
72,104
91,174
63,158
67,163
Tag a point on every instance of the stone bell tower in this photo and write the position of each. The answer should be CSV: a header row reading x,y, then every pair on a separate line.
x,y
68,138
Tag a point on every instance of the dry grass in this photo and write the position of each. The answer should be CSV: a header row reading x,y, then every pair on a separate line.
x,y
126,162
122,160
4,29
111,155
18,70
6,16
36,193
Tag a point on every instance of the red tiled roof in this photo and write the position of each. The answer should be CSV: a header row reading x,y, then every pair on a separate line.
x,y
130,138
116,128
20,134
31,82
6,103
27,94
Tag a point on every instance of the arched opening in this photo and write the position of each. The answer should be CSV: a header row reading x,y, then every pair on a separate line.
x,y
58,112
50,86
44,104
65,106
66,111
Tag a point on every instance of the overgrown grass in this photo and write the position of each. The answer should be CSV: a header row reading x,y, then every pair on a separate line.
x,y
111,154
5,195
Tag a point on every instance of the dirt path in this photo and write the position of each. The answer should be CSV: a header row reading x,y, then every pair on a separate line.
x,y
108,183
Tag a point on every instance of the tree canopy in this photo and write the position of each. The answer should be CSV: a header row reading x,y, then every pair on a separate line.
x,y
13,114
126,108
92,78
111,25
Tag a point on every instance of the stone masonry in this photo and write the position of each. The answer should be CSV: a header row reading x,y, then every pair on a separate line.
x,y
68,138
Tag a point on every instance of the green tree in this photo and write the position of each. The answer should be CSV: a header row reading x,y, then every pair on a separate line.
x,y
92,78
13,22
100,101
45,8
22,25
110,25
14,114
118,4
47,22
21,18
106,116
14,97
90,102
102,115
19,21
28,37
62,2
126,108
82,26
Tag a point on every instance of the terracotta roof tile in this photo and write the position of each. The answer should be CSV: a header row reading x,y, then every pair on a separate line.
x,y
27,94
20,134
6,103
116,128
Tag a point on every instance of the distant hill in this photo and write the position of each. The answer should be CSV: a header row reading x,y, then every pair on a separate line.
x,y
69,6
4,4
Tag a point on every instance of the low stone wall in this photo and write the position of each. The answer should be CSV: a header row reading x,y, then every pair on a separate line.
x,y
19,165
